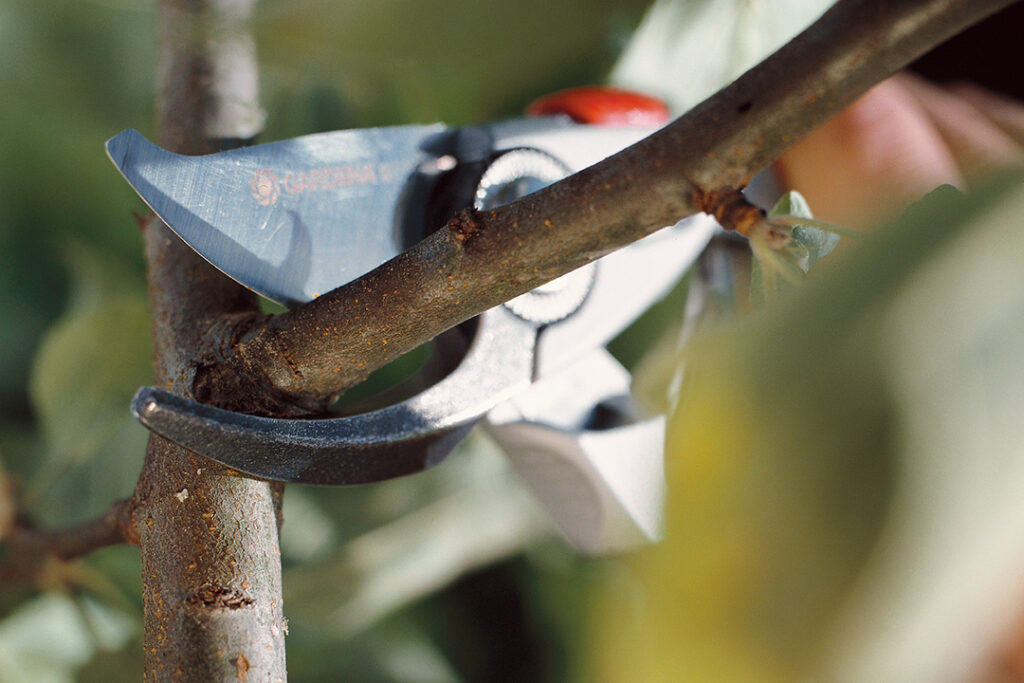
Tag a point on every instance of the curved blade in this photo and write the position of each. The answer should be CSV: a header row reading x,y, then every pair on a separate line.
x,y
399,439
291,219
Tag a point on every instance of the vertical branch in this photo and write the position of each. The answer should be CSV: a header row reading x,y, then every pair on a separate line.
x,y
209,538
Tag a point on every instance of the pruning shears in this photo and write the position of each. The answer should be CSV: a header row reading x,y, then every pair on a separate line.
x,y
294,219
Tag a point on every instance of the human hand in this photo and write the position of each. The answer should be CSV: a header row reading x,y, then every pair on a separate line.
x,y
899,141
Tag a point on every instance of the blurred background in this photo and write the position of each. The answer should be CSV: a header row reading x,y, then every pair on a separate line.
x,y
454,575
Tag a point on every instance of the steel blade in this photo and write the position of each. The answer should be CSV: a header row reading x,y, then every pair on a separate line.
x,y
291,219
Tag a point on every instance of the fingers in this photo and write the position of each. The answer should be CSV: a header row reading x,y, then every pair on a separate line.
x,y
899,141
1006,113
870,159
979,145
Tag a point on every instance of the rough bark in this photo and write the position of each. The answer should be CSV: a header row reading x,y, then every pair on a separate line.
x,y
209,537
304,357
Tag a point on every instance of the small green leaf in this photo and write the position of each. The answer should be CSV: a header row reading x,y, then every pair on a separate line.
x,y
792,204
818,242
772,267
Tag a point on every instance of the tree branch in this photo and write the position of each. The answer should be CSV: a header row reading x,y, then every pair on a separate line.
x,y
29,551
209,537
305,356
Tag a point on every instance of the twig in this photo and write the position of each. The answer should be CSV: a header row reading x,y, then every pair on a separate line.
x,y
30,552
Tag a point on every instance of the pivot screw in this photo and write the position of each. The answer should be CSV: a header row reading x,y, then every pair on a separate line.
x,y
514,174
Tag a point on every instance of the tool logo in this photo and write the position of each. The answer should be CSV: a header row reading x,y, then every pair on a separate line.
x,y
266,188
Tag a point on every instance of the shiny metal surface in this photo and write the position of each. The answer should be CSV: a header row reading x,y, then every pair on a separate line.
x,y
381,444
294,219
221,205
595,465
290,220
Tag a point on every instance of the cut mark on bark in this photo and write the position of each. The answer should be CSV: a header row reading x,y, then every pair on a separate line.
x,y
730,208
220,597
464,225
242,667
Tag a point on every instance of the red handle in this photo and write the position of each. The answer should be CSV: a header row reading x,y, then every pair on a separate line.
x,y
602,105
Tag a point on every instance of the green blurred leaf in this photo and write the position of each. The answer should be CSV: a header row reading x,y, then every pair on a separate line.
x,y
421,551
84,375
49,637
44,640
402,61
397,650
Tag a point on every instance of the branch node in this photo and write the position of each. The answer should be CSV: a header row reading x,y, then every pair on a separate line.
x,y
464,225
730,208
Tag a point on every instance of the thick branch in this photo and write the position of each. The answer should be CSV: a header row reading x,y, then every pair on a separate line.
x,y
209,538
481,259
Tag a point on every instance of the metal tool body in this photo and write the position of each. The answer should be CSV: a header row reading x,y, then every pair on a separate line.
x,y
294,219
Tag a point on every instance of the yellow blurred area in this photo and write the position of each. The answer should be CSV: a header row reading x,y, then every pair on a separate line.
x,y
844,471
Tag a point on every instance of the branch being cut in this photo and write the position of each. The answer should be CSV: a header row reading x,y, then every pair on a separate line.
x,y
304,357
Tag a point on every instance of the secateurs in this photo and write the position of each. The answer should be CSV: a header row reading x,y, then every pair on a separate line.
x,y
534,370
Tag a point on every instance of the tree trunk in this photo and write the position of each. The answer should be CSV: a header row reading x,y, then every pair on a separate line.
x,y
211,562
